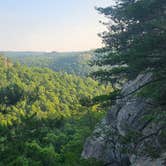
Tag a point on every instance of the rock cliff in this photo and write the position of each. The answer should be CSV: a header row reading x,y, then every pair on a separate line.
x,y
112,139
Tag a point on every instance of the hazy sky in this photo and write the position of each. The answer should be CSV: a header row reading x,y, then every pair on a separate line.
x,y
47,25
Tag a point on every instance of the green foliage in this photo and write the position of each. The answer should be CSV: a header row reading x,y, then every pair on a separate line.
x,y
69,62
134,44
11,94
42,122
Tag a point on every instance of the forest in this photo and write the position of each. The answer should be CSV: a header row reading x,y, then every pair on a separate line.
x,y
70,62
41,120
104,107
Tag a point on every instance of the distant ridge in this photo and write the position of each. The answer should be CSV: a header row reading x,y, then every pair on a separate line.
x,y
70,62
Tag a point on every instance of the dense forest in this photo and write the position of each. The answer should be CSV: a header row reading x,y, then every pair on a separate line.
x,y
41,119
69,62
48,110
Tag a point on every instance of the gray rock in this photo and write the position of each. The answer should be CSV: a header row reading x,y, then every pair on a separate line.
x,y
133,85
131,114
126,115
143,161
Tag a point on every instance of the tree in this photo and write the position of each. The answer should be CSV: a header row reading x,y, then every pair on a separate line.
x,y
42,121
134,44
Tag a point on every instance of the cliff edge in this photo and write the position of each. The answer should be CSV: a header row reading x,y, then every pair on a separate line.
x,y
119,138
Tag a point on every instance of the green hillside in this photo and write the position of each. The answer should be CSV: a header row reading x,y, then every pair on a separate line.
x,y
69,62
41,119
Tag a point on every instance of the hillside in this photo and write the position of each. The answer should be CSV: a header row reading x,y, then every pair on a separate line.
x,y
41,119
69,62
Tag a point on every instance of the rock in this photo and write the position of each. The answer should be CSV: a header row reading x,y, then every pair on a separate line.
x,y
133,85
93,148
143,161
131,114
125,116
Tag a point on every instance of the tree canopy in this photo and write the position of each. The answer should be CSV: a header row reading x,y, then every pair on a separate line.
x,y
42,122
75,63
135,44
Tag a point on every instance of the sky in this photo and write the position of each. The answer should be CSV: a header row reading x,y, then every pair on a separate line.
x,y
50,25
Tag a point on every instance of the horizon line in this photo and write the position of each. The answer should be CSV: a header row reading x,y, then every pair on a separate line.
x,y
88,50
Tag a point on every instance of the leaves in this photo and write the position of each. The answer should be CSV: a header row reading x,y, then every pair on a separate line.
x,y
42,121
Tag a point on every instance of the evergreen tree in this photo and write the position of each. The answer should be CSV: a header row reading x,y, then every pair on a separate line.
x,y
134,44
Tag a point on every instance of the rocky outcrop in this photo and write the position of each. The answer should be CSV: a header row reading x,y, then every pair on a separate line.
x,y
125,119
144,161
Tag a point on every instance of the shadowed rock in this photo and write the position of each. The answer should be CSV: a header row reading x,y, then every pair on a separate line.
x,y
125,116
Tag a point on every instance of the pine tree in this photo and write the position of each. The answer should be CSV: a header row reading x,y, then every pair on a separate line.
x,y
135,43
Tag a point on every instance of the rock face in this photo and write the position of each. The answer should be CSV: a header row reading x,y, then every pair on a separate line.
x,y
148,162
126,116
